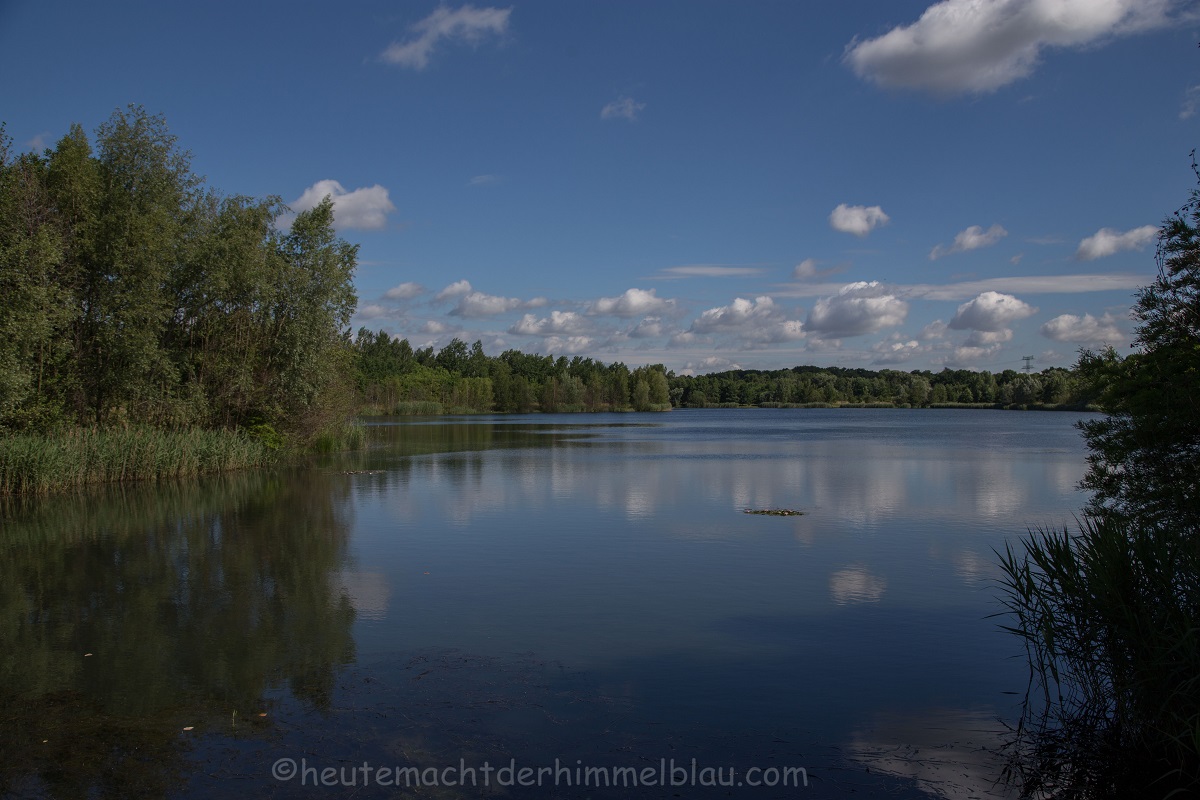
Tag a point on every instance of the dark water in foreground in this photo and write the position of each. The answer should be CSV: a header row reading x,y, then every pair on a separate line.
x,y
538,592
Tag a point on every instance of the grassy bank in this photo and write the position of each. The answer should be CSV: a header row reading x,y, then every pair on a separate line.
x,y
43,463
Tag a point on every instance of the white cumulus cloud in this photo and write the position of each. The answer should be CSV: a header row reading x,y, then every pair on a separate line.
x,y
934,330
1083,330
751,324
859,220
373,311
648,328
736,315
972,238
478,304
989,338
962,46
806,270
896,351
364,209
990,311
559,322
788,330
1106,242
404,291
468,24
569,345
632,303
683,338
856,309
456,289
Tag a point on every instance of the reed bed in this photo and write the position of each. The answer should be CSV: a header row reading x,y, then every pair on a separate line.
x,y
44,463
1109,619
417,408
349,435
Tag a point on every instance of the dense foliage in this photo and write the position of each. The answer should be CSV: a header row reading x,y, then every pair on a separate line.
x,y
134,294
1109,615
837,385
395,378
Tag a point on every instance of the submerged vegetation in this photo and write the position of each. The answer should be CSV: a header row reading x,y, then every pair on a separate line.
x,y
1110,614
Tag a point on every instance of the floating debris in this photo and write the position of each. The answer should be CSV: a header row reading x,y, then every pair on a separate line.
x,y
774,512
364,471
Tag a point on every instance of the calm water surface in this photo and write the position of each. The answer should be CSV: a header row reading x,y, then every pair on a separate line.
x,y
585,588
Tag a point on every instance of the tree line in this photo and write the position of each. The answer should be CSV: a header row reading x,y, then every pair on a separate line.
x,y
807,385
393,377
134,294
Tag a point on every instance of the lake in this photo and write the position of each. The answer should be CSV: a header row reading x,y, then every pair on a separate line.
x,y
519,605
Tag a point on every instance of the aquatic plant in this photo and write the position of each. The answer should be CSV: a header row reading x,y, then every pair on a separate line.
x,y
1110,620
42,463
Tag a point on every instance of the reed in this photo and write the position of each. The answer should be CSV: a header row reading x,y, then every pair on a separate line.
x,y
417,408
1110,620
43,463
348,435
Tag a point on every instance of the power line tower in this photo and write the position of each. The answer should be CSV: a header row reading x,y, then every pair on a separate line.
x,y
1028,364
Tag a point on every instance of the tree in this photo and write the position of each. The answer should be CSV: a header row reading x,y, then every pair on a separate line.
x,y
145,190
1144,461
310,360
35,313
1108,615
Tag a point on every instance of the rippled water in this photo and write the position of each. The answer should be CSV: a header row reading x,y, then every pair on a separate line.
x,y
516,590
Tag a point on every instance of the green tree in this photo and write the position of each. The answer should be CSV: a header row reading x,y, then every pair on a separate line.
x,y
1108,615
35,314
309,357
1144,460
146,187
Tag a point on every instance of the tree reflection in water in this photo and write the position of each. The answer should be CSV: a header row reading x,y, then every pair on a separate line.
x,y
130,615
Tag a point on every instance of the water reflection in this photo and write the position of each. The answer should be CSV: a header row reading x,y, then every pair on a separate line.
x,y
372,605
493,467
947,753
856,585
128,616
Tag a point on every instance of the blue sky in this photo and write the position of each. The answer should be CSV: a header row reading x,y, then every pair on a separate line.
x,y
701,184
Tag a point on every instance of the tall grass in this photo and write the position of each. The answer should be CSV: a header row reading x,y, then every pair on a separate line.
x,y
1110,620
44,463
348,435
417,408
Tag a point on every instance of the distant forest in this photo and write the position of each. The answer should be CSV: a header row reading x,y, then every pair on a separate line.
x,y
395,378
